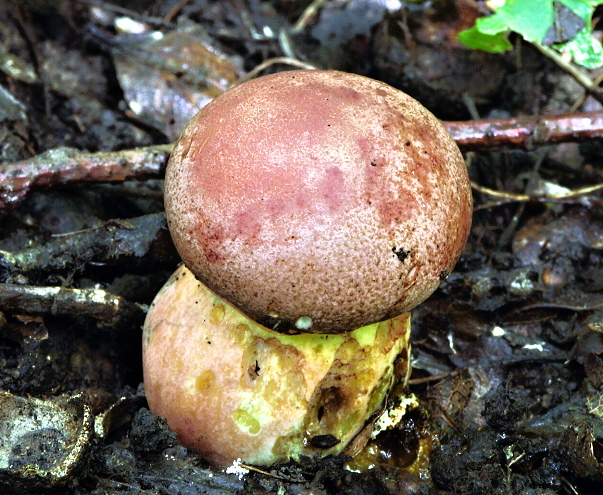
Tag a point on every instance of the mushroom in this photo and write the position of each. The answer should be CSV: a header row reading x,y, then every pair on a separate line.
x,y
312,210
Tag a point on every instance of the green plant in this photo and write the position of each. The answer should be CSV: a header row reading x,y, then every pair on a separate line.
x,y
564,25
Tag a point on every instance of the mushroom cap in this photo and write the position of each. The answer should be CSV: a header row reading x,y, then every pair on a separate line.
x,y
317,199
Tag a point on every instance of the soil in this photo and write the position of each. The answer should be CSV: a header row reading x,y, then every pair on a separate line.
x,y
507,354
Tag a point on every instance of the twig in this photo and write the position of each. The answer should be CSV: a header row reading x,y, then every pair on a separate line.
x,y
307,15
524,198
273,61
24,29
100,304
67,166
167,18
526,132
428,379
506,236
108,243
520,198
265,473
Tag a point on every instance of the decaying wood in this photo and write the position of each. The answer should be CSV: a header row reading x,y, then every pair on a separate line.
x,y
108,243
97,303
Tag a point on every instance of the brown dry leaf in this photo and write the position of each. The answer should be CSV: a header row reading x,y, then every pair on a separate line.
x,y
595,405
168,78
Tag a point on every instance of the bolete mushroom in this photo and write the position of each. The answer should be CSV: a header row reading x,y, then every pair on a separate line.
x,y
314,209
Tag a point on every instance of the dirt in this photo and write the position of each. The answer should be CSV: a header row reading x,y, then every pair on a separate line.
x,y
507,356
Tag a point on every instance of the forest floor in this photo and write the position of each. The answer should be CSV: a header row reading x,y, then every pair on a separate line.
x,y
507,364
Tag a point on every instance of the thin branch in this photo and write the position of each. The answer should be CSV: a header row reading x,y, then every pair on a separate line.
x,y
273,61
174,11
307,15
98,303
524,198
109,243
526,132
67,166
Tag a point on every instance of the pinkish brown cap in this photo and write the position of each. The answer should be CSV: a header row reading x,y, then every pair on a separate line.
x,y
317,199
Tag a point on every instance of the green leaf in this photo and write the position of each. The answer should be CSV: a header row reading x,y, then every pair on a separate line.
x,y
584,49
530,18
493,43
582,8
494,24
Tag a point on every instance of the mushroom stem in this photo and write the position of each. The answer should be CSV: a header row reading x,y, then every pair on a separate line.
x,y
234,389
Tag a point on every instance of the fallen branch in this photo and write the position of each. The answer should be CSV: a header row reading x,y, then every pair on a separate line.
x,y
68,166
98,303
108,243
526,132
